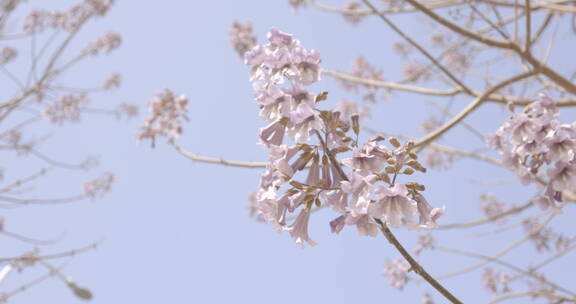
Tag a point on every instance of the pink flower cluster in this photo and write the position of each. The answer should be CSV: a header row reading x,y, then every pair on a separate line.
x,y
280,72
166,109
535,139
107,43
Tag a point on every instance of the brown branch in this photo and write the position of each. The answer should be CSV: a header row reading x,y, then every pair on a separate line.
x,y
393,10
469,109
487,219
460,30
528,26
442,148
415,266
560,102
517,269
219,161
500,253
418,47
553,75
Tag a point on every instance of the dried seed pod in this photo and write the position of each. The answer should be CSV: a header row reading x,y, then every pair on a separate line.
x,y
390,170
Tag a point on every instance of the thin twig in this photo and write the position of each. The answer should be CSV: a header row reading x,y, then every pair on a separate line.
x,y
500,253
415,266
506,264
470,108
219,161
418,47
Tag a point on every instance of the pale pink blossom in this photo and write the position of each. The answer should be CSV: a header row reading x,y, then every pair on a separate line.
x,y
358,187
364,162
365,225
393,204
561,145
273,134
428,215
299,229
337,224
563,176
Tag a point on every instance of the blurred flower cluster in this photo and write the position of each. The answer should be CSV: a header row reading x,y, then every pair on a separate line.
x,y
241,37
166,109
535,139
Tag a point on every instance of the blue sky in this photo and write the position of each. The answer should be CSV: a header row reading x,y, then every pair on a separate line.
x,y
175,231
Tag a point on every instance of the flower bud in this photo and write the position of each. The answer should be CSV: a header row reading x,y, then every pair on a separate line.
x,y
355,123
385,178
390,170
394,142
408,171
322,96
80,292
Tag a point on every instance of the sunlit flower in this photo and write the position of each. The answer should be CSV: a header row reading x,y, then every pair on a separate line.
x,y
393,204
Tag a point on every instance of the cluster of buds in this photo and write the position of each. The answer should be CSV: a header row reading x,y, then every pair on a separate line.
x,y
112,82
100,186
495,281
360,188
351,15
534,139
241,37
166,109
544,238
7,54
107,43
66,108
69,20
